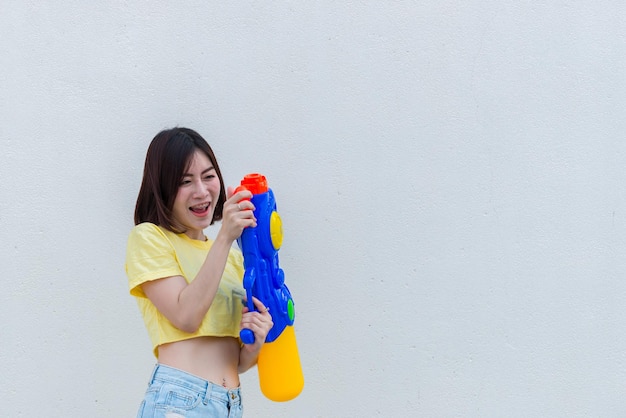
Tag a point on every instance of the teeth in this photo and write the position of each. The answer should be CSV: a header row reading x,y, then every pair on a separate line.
x,y
200,207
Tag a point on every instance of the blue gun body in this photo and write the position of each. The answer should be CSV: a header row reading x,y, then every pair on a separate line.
x,y
263,277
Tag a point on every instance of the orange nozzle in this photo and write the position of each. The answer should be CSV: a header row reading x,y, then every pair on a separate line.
x,y
254,182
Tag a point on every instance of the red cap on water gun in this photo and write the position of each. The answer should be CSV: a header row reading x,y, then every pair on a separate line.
x,y
254,182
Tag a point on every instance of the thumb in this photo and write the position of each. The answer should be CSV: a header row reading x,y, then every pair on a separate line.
x,y
230,191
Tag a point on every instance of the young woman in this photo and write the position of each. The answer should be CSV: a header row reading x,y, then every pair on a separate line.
x,y
189,288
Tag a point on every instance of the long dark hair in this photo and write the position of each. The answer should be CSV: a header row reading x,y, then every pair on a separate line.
x,y
167,159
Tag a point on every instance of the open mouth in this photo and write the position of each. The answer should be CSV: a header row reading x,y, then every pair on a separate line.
x,y
201,209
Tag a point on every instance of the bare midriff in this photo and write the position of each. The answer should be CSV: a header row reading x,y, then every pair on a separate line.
x,y
215,359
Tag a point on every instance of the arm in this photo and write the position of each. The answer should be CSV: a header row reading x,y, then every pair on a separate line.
x,y
185,304
247,358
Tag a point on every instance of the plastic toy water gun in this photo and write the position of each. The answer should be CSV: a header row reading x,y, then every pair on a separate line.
x,y
280,372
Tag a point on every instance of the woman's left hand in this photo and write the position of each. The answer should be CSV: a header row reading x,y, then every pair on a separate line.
x,y
259,322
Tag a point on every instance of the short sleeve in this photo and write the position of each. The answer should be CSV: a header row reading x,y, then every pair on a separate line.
x,y
149,256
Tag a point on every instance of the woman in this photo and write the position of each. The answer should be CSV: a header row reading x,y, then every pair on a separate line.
x,y
189,288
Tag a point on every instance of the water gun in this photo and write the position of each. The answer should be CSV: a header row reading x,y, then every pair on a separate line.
x,y
280,371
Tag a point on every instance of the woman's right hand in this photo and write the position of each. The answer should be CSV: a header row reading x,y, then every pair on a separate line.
x,y
237,214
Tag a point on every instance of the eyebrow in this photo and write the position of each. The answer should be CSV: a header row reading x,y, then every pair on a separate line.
x,y
203,172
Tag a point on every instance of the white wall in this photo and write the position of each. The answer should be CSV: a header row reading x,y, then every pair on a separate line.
x,y
450,176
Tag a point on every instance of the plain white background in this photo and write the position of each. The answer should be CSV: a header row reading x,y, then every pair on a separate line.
x,y
450,177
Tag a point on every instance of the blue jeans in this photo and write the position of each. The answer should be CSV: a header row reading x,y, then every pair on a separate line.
x,y
173,393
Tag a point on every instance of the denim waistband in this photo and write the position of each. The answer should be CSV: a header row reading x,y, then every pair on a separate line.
x,y
207,389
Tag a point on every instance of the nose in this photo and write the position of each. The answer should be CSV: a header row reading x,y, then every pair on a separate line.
x,y
199,189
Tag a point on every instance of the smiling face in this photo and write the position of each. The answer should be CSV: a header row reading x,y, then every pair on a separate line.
x,y
197,196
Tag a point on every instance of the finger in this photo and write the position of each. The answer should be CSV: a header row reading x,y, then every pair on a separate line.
x,y
259,328
233,196
250,318
257,321
243,194
260,306
245,205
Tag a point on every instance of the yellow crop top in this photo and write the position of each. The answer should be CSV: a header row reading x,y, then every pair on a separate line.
x,y
155,253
